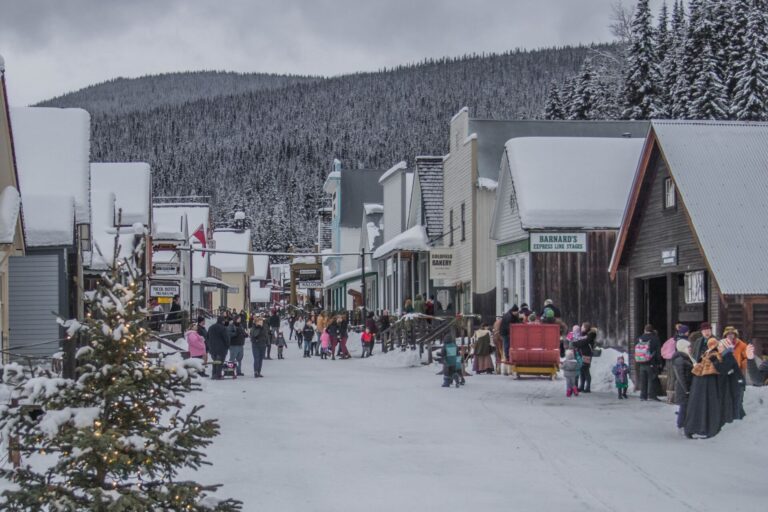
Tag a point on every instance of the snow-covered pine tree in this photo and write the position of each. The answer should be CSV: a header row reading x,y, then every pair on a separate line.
x,y
553,108
117,437
708,94
750,95
583,100
641,78
672,71
663,41
567,94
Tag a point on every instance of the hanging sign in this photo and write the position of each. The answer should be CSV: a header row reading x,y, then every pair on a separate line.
x,y
441,263
166,269
558,242
163,290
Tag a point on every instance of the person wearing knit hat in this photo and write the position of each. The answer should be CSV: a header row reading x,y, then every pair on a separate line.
x,y
510,317
621,376
682,366
731,334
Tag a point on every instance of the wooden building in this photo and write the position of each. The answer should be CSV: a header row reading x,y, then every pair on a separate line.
x,y
559,205
694,236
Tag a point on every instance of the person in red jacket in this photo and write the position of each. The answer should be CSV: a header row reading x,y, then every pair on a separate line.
x,y
367,339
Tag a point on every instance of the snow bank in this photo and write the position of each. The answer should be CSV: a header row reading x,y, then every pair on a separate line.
x,y
602,376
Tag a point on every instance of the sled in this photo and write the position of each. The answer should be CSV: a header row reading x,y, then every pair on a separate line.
x,y
534,349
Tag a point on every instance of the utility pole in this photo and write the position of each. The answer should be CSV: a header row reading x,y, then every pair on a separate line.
x,y
191,284
362,277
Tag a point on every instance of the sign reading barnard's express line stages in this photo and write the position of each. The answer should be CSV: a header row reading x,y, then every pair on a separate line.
x,y
440,263
558,242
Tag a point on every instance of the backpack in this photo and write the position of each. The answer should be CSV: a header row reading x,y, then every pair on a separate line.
x,y
451,354
643,351
669,348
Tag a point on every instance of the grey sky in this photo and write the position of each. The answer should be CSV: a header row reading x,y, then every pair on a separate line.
x,y
56,46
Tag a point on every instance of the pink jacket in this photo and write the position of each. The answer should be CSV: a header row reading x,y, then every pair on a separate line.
x,y
325,340
196,344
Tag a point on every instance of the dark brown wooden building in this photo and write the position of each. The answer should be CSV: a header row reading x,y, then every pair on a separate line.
x,y
559,205
693,241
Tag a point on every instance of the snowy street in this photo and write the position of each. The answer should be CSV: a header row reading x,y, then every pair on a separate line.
x,y
377,435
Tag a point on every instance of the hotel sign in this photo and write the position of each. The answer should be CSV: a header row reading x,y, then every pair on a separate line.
x,y
558,242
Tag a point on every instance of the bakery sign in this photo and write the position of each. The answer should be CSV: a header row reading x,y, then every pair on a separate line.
x,y
558,242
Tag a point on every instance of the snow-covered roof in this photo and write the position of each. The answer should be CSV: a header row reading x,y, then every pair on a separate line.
x,y
347,276
414,239
721,173
118,187
49,220
331,182
572,182
260,266
487,184
371,208
52,148
392,170
231,240
9,214
260,294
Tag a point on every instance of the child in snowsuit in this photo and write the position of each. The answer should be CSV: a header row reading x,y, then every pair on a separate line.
x,y
621,374
281,344
367,339
325,345
308,335
570,372
451,362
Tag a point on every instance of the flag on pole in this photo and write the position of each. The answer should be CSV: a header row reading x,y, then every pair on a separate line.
x,y
200,235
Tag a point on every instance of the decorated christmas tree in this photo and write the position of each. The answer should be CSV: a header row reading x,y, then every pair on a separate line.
x,y
119,435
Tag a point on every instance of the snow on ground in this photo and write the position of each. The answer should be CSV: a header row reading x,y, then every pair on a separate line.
x,y
381,434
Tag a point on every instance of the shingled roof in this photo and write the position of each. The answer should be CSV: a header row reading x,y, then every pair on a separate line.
x,y
429,172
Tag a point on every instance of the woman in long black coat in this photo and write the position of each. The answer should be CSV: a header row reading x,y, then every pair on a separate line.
x,y
704,411
731,385
682,364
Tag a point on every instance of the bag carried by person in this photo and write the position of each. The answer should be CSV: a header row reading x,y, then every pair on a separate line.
x,y
643,352
704,367
669,348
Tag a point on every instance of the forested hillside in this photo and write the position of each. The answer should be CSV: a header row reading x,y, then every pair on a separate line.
x,y
269,150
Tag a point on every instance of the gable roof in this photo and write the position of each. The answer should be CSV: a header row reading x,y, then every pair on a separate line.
x,y
712,164
572,182
493,134
358,186
429,174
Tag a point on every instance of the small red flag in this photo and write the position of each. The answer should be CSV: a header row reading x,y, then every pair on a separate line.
x,y
200,235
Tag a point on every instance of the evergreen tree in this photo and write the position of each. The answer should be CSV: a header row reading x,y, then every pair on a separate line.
x,y
750,101
708,94
553,109
584,98
117,437
567,95
664,49
641,82
671,67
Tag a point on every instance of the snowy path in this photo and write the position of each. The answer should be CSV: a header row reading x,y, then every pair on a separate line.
x,y
375,435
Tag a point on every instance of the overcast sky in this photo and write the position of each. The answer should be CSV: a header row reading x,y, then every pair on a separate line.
x,y
56,46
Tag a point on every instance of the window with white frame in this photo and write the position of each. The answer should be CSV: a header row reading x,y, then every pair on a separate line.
x,y
669,193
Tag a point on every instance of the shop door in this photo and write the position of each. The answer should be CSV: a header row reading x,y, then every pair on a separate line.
x,y
655,304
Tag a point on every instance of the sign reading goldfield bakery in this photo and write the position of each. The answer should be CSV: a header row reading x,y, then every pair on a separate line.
x,y
558,242
440,263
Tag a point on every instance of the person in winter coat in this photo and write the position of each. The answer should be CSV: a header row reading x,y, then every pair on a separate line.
x,y
274,329
299,328
218,342
668,350
370,324
384,323
510,317
308,335
418,304
700,346
325,345
333,331
320,326
174,315
237,337
408,306
259,338
585,346
758,370
647,358
570,372
343,334
731,383
682,365
483,363
739,347
450,357
703,416
621,376
367,339
291,326
196,346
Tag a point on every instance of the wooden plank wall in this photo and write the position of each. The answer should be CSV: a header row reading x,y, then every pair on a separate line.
x,y
581,287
